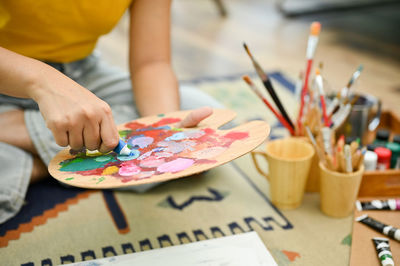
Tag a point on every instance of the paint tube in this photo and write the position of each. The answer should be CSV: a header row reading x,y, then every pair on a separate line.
x,y
122,148
388,230
390,204
383,251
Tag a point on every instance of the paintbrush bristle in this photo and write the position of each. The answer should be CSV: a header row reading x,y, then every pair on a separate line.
x,y
247,50
247,79
317,72
360,68
315,28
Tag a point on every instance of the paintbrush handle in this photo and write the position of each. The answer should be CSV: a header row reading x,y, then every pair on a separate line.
x,y
304,92
268,85
278,116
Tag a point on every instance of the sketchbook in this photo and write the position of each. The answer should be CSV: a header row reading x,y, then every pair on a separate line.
x,y
236,250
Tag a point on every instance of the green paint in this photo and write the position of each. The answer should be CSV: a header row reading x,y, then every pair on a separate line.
x,y
347,240
385,256
161,115
83,164
124,133
176,129
103,158
101,179
69,178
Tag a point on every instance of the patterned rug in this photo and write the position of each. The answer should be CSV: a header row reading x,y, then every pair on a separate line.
x,y
60,225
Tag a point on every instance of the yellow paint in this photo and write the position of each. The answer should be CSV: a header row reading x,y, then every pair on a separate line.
x,y
110,170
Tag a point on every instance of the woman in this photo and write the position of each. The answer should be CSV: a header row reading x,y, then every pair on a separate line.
x,y
56,91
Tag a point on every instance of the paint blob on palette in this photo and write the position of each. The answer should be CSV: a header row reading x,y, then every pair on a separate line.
x,y
160,152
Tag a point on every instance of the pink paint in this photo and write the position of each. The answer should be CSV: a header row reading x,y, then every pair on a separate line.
x,y
177,147
163,154
194,134
151,162
176,165
129,169
237,135
144,175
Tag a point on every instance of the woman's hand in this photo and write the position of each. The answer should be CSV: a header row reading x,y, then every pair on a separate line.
x,y
75,116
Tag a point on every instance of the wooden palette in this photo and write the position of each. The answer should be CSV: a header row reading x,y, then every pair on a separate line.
x,y
161,152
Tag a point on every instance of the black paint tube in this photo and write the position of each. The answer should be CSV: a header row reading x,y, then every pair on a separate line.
x,y
390,204
383,250
388,230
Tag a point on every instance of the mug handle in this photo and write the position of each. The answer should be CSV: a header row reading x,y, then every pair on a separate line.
x,y
254,157
375,121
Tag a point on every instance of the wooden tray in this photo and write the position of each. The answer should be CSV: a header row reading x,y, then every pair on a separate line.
x,y
362,249
382,183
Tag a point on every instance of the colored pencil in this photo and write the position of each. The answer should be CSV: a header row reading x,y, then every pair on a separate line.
x,y
254,88
347,157
268,85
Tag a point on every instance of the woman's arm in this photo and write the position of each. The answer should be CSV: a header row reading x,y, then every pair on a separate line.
x,y
153,79
75,115
154,82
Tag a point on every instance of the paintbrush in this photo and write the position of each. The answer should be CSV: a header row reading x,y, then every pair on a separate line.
x,y
340,116
314,143
268,85
320,86
345,91
315,29
254,88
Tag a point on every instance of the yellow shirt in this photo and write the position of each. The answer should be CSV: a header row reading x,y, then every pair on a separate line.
x,y
57,30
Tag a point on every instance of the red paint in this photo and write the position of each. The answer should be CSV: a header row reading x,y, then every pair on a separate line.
x,y
237,135
166,121
291,255
210,139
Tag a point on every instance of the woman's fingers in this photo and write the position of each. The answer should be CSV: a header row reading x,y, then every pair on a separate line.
x,y
196,116
109,134
91,136
75,137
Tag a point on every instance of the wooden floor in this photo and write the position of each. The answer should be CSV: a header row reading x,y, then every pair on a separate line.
x,y
205,44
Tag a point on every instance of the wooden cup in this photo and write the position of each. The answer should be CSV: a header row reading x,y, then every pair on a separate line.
x,y
339,191
313,178
289,163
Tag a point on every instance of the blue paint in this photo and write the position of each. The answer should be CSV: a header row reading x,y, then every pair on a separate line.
x,y
177,136
133,155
